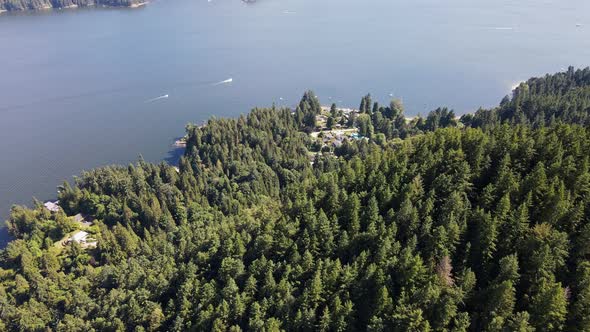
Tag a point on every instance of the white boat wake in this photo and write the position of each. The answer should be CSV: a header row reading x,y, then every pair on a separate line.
x,y
229,80
157,98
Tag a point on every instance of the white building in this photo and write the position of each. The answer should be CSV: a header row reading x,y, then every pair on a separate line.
x,y
52,206
83,239
79,237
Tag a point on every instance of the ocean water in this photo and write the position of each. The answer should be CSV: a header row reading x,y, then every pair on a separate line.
x,y
78,87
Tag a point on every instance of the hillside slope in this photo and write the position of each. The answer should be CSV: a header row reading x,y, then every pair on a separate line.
x,y
417,226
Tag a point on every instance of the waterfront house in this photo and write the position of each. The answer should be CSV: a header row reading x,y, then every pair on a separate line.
x,y
52,206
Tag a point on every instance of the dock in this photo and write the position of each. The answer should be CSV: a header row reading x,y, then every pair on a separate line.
x,y
180,143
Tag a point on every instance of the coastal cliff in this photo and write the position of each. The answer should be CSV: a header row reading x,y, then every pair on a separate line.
x,y
21,5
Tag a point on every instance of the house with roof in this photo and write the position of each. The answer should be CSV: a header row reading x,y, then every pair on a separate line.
x,y
79,237
83,239
52,206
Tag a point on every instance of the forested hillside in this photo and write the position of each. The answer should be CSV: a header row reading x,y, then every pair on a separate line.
x,y
428,224
17,5
542,101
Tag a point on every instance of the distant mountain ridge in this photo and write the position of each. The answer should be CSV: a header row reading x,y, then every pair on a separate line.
x,y
21,5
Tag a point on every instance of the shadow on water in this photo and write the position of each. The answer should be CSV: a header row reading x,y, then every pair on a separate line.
x,y
5,237
174,154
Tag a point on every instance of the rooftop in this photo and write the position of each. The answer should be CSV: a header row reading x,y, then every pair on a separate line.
x,y
79,237
52,206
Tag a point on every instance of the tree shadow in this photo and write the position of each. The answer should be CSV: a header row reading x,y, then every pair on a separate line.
x,y
5,237
174,154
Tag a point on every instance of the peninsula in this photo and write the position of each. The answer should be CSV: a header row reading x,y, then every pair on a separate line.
x,y
325,219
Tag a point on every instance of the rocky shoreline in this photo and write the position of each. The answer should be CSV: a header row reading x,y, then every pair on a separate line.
x,y
25,6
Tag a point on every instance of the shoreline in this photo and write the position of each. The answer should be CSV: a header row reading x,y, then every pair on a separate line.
x,y
180,143
74,6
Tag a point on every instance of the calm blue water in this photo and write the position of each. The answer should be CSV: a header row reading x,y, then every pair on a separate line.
x,y
74,83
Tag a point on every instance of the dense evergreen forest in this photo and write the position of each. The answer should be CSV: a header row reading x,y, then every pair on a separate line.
x,y
18,5
426,224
